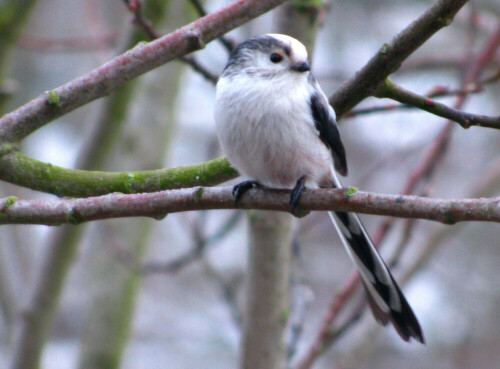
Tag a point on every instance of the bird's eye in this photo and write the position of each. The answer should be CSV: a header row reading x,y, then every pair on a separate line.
x,y
276,57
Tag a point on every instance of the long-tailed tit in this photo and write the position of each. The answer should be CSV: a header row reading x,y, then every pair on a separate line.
x,y
276,127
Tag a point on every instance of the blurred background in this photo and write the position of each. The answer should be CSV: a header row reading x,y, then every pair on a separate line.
x,y
169,293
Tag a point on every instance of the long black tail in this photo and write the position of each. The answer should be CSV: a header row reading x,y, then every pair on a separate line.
x,y
386,300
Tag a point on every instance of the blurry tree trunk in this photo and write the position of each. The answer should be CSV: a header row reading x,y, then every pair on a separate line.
x,y
63,242
270,241
13,15
113,293
114,286
266,305
9,298
37,317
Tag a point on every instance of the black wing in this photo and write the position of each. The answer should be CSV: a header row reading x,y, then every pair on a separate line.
x,y
328,131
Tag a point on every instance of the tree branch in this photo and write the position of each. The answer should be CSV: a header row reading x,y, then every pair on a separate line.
x,y
22,170
438,91
393,91
135,7
390,56
433,155
146,25
139,60
159,204
228,44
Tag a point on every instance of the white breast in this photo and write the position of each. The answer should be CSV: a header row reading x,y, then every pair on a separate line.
x,y
266,130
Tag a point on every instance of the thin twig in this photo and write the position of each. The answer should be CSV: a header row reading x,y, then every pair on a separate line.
x,y
392,91
140,19
493,78
198,67
42,44
195,253
228,289
228,44
434,93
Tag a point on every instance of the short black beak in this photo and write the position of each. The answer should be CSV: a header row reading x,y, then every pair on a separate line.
x,y
304,67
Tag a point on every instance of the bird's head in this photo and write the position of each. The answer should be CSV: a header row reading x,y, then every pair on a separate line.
x,y
268,55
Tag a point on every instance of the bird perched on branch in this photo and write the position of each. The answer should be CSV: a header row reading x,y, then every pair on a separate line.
x,y
276,127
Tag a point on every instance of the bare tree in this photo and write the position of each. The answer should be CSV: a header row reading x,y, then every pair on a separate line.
x,y
109,184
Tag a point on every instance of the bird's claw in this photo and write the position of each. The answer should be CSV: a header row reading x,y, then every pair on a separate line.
x,y
240,189
295,196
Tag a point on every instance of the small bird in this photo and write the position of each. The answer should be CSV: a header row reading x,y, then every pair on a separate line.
x,y
277,128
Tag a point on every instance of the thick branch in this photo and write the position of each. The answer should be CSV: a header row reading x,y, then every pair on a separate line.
x,y
22,170
142,58
159,204
390,56
392,91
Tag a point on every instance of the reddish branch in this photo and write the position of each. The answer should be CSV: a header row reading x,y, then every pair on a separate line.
x,y
135,7
159,204
200,68
439,145
63,44
423,171
146,56
426,167
393,91
436,92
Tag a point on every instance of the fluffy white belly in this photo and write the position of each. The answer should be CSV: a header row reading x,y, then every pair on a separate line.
x,y
272,140
281,165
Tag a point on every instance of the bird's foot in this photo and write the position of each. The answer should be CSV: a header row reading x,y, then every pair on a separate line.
x,y
240,189
296,192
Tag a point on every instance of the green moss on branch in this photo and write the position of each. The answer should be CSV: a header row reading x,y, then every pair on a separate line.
x,y
53,99
7,202
24,171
